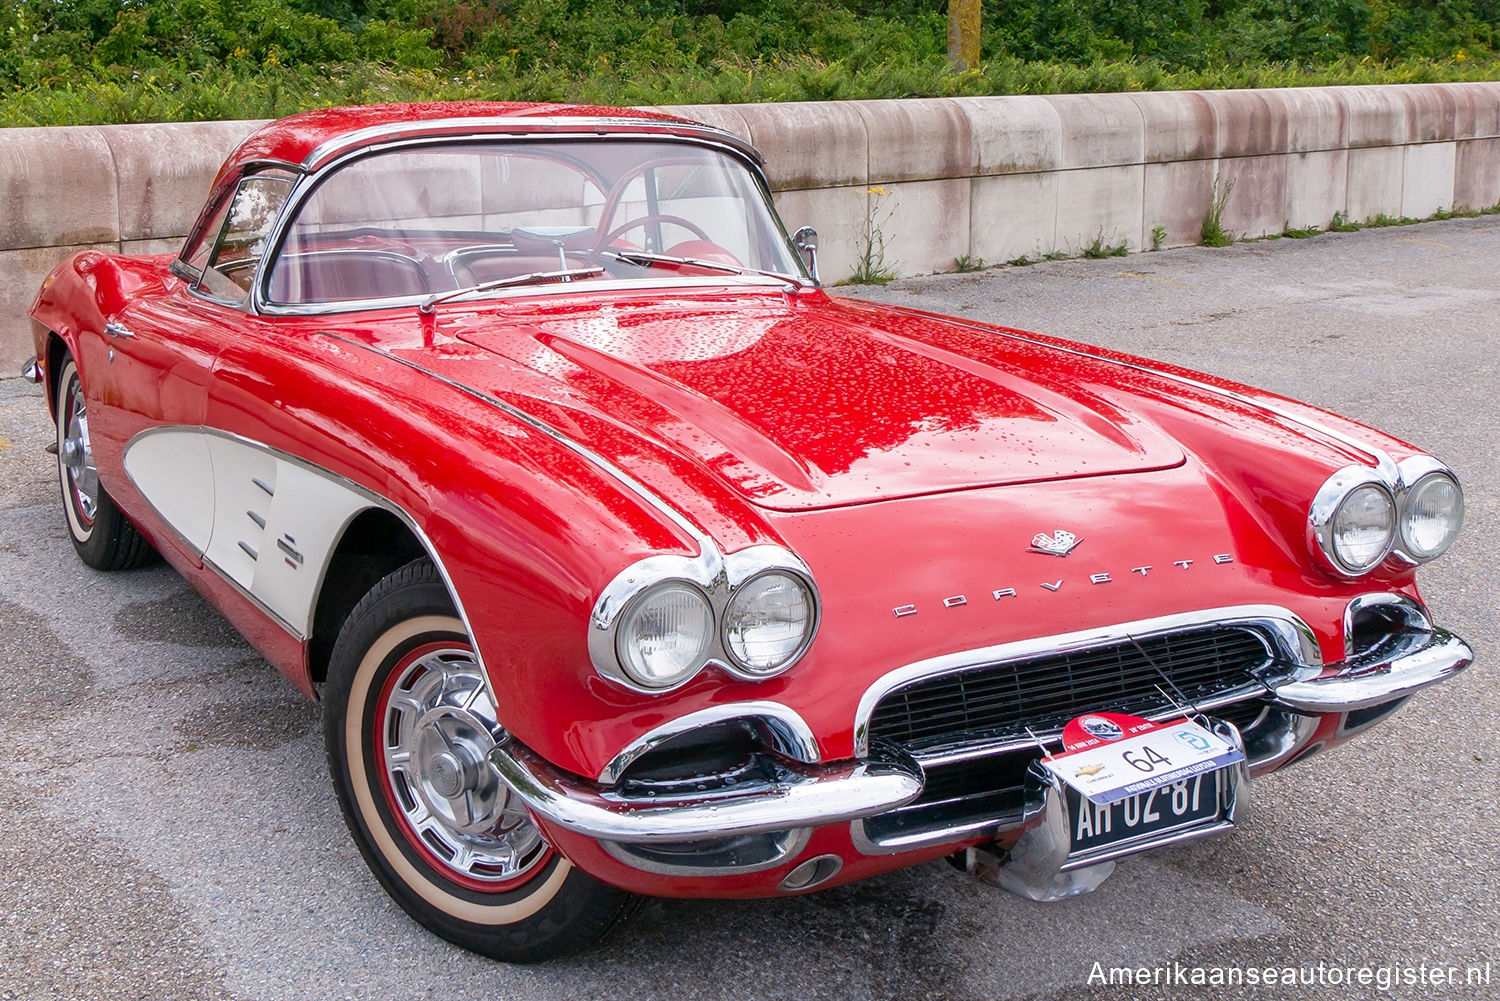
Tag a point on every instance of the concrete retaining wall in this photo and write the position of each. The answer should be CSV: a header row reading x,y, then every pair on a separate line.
x,y
988,178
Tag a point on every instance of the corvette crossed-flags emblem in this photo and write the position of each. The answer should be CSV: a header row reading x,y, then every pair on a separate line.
x,y
1059,543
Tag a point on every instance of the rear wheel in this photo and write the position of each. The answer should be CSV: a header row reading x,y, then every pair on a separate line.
x,y
408,726
103,537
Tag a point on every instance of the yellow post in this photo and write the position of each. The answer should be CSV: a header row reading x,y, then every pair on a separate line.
x,y
963,34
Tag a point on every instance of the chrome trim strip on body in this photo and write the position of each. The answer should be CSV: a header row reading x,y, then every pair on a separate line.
x,y
1379,457
1294,639
630,483
792,737
243,592
816,795
1421,659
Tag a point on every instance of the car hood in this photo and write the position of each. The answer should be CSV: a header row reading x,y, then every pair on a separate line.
x,y
807,402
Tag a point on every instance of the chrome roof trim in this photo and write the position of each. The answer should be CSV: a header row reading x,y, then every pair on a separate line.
x,y
603,126
1293,637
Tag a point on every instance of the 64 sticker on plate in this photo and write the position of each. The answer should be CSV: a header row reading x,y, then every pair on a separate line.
x,y
1108,757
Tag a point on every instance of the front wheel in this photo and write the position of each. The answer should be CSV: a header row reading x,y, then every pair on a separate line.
x,y
409,724
103,537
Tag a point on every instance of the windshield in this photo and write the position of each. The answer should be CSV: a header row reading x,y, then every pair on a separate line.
x,y
433,221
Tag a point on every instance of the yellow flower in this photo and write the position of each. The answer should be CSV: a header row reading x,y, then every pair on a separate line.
x,y
1460,56
875,190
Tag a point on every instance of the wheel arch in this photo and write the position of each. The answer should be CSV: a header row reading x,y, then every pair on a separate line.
x,y
376,542
56,349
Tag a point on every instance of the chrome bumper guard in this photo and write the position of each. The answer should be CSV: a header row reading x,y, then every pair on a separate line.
x,y
1042,865
1416,660
799,796
32,372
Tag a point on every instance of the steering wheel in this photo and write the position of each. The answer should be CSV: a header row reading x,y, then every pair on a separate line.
x,y
646,220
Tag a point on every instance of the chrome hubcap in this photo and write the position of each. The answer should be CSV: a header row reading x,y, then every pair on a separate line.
x,y
78,458
438,731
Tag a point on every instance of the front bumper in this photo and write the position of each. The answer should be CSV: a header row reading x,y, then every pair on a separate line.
x,y
796,796
712,833
1414,661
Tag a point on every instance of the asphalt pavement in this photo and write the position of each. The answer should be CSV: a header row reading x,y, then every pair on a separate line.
x,y
167,828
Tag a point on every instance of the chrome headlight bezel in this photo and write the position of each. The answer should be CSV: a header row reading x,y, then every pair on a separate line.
x,y
1397,483
741,663
718,578
633,612
1417,474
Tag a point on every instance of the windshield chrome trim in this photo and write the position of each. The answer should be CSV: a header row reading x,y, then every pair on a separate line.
x,y
725,281
1294,640
260,303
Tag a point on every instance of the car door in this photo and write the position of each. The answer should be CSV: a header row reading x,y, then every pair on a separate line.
x,y
161,350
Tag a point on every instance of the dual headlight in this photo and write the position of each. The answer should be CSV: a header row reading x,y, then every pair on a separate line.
x,y
755,619
1359,519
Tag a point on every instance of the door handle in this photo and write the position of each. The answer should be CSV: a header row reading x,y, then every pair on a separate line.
x,y
118,330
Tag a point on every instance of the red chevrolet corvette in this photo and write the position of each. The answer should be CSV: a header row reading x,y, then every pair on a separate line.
x,y
626,560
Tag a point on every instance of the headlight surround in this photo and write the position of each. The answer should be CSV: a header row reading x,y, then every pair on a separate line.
x,y
769,622
1432,512
1364,526
1353,521
664,636
751,614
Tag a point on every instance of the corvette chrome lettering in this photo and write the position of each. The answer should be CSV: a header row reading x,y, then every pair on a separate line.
x,y
1095,578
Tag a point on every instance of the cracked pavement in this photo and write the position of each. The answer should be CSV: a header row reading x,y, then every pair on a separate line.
x,y
167,829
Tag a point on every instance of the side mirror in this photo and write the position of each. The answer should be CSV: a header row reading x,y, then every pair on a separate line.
x,y
806,242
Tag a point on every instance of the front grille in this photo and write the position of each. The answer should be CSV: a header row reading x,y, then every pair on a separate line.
x,y
1002,701
999,702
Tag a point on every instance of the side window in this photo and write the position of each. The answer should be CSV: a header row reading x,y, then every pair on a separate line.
x,y
240,240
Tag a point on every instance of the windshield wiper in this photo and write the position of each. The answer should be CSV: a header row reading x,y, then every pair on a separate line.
x,y
645,259
533,278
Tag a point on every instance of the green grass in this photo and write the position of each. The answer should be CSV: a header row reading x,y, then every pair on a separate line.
x,y
1213,233
1100,248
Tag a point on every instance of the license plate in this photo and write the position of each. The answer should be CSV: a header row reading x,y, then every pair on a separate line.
x,y
1179,804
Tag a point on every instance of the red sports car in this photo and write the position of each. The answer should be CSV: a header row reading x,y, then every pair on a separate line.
x,y
626,560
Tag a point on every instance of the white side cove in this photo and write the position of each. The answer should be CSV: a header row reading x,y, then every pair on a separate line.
x,y
264,521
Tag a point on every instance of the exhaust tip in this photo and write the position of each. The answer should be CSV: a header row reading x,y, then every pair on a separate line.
x,y
813,872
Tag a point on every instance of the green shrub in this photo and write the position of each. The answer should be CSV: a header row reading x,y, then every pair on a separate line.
x,y
77,61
